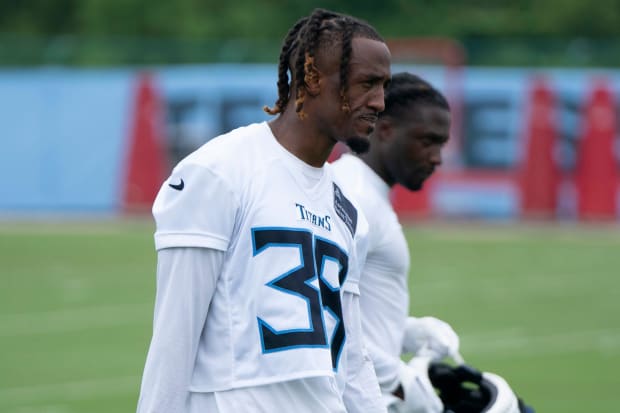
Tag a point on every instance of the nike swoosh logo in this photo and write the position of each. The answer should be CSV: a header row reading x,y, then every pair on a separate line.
x,y
179,186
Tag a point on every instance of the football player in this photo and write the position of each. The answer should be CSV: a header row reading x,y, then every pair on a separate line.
x,y
405,149
257,306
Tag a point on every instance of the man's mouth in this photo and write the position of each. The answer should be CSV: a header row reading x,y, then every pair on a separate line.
x,y
370,118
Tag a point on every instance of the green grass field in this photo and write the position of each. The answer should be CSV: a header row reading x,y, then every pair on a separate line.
x,y
539,306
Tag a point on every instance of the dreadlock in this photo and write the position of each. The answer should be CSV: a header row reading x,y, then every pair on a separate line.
x,y
406,89
319,31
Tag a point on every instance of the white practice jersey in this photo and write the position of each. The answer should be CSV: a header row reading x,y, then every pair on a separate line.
x,y
289,235
384,287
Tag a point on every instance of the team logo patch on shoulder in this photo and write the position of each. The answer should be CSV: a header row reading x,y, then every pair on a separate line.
x,y
345,210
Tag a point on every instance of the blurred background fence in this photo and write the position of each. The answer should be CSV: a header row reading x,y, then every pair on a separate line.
x,y
527,140
99,99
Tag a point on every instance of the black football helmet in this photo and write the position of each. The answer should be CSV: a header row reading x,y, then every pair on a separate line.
x,y
463,389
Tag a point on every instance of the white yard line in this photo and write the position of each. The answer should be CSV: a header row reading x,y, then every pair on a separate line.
x,y
513,342
77,390
50,322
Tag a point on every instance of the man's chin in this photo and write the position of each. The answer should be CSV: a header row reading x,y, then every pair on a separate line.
x,y
415,186
358,145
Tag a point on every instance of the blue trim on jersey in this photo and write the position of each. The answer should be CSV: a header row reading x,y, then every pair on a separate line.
x,y
280,332
308,282
291,292
328,241
255,251
314,252
331,340
321,271
334,289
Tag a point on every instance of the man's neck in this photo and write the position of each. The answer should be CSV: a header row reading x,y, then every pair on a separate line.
x,y
373,161
299,140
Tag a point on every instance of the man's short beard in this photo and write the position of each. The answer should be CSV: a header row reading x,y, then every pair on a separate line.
x,y
415,186
358,145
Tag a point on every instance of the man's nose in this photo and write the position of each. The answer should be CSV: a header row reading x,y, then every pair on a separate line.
x,y
377,101
436,158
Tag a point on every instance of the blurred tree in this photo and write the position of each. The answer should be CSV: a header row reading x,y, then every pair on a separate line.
x,y
38,16
270,18
185,26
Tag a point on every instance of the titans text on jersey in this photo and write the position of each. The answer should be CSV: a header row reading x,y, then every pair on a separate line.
x,y
314,219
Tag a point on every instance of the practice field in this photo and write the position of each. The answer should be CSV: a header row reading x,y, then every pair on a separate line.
x,y
540,306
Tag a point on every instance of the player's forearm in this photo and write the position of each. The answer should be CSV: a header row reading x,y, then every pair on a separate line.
x,y
386,367
361,393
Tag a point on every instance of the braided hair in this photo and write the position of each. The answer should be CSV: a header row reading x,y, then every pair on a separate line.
x,y
319,31
406,89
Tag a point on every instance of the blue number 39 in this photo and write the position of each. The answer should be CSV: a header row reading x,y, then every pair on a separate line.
x,y
314,252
